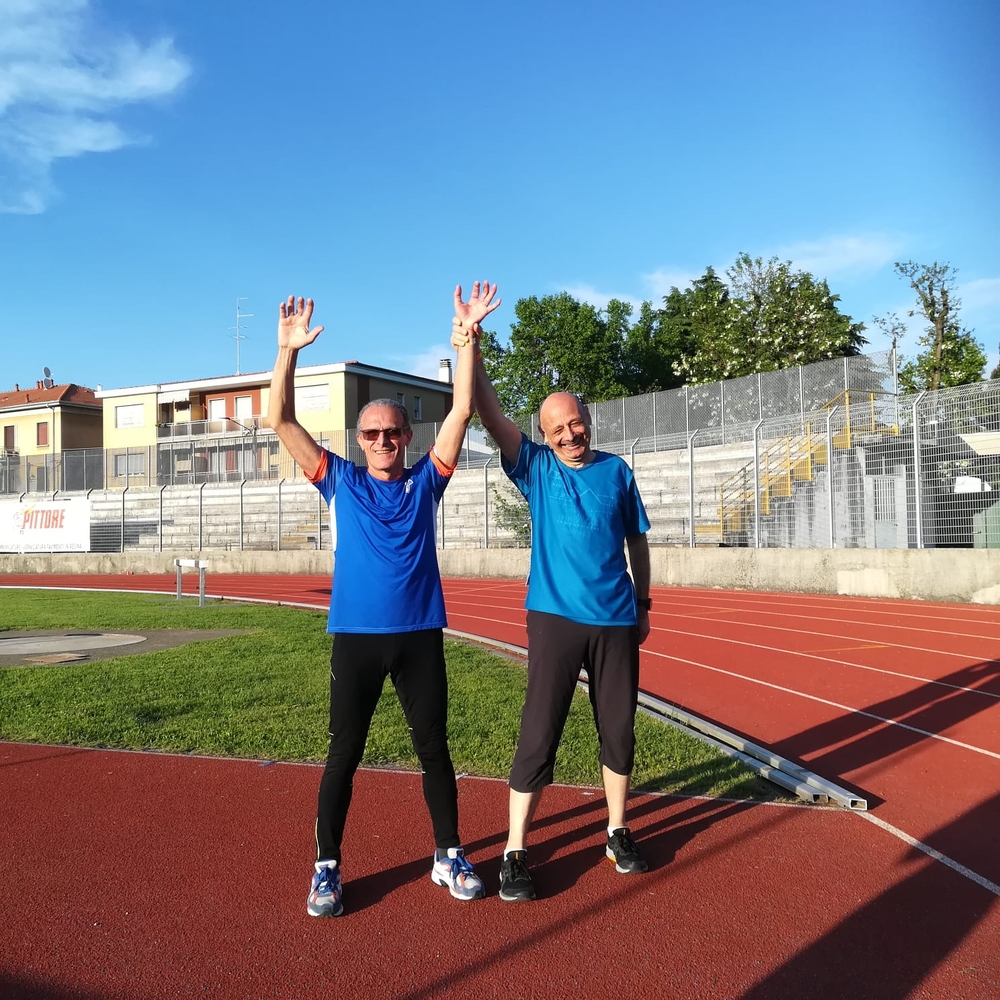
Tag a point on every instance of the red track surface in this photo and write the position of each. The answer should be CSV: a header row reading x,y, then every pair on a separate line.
x,y
133,875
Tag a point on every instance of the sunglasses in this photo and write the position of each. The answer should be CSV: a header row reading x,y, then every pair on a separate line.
x,y
393,433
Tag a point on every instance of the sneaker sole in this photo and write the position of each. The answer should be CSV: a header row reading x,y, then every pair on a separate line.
x,y
626,871
326,911
455,894
522,898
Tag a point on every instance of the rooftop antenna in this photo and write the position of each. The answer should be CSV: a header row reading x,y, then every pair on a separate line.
x,y
239,326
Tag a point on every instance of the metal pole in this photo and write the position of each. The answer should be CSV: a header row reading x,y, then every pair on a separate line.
x,y
722,408
691,438
916,471
160,526
829,472
760,398
124,491
201,508
319,520
655,445
802,397
756,484
242,484
631,454
280,481
486,503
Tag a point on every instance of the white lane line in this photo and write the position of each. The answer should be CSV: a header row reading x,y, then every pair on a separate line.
x,y
830,659
847,621
951,863
984,658
984,614
832,704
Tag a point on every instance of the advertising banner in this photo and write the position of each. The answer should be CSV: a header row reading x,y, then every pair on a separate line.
x,y
45,525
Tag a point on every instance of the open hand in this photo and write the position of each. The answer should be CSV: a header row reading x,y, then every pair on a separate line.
x,y
480,303
293,323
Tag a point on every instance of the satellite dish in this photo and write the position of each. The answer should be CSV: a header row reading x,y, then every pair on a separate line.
x,y
46,373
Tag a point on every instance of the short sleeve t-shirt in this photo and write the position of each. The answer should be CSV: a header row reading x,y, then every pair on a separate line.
x,y
385,575
580,519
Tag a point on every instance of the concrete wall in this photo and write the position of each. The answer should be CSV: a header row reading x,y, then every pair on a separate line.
x,y
968,575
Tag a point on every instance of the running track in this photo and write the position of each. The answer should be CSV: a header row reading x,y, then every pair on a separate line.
x,y
899,700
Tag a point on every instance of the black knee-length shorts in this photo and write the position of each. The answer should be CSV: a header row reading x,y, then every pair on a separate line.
x,y
557,650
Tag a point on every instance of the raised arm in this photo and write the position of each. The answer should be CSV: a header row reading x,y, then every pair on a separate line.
x,y
503,430
293,333
482,302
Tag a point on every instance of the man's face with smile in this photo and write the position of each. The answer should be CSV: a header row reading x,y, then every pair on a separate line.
x,y
566,427
384,441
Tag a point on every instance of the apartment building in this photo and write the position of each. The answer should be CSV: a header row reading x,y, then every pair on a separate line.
x,y
39,423
213,428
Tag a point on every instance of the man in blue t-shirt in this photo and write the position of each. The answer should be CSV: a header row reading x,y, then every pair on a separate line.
x,y
583,609
386,605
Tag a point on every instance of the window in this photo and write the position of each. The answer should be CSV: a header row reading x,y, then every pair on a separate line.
x,y
130,415
401,398
244,407
217,409
130,464
42,433
312,397
9,441
418,410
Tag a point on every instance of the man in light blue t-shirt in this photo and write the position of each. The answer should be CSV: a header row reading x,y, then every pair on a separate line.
x,y
386,606
584,610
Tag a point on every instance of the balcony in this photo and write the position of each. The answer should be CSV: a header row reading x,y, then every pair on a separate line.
x,y
226,427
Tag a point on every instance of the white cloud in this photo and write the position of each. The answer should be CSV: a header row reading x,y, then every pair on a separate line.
x,y
662,280
425,364
62,78
840,255
600,300
981,294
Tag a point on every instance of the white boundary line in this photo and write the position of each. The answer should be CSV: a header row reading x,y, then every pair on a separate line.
x,y
826,701
936,855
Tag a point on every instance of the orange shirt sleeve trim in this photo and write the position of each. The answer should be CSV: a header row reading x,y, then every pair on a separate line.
x,y
445,470
321,471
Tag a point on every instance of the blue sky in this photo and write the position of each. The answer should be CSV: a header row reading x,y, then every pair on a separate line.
x,y
160,159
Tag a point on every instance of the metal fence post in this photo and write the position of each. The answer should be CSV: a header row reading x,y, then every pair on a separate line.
x,y
278,546
756,484
691,486
486,503
722,408
201,519
916,470
829,472
124,491
159,527
802,397
242,484
319,521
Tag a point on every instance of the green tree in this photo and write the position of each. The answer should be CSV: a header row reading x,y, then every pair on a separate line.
x,y
951,355
558,344
769,318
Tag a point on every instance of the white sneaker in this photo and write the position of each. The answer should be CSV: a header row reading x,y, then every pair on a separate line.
x,y
456,873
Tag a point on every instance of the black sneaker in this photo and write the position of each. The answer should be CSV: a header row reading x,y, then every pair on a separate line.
x,y
623,852
515,882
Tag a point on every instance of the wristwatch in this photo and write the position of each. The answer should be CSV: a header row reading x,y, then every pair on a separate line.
x,y
646,603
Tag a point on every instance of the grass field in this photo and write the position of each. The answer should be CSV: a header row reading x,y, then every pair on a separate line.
x,y
264,695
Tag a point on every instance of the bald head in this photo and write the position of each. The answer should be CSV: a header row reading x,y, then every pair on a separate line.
x,y
565,422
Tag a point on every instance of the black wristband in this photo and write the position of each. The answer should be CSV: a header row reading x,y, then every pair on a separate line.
x,y
646,603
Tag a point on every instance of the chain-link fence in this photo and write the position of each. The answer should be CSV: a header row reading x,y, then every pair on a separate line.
x,y
716,465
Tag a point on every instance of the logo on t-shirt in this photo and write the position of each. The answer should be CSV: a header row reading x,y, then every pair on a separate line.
x,y
408,486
